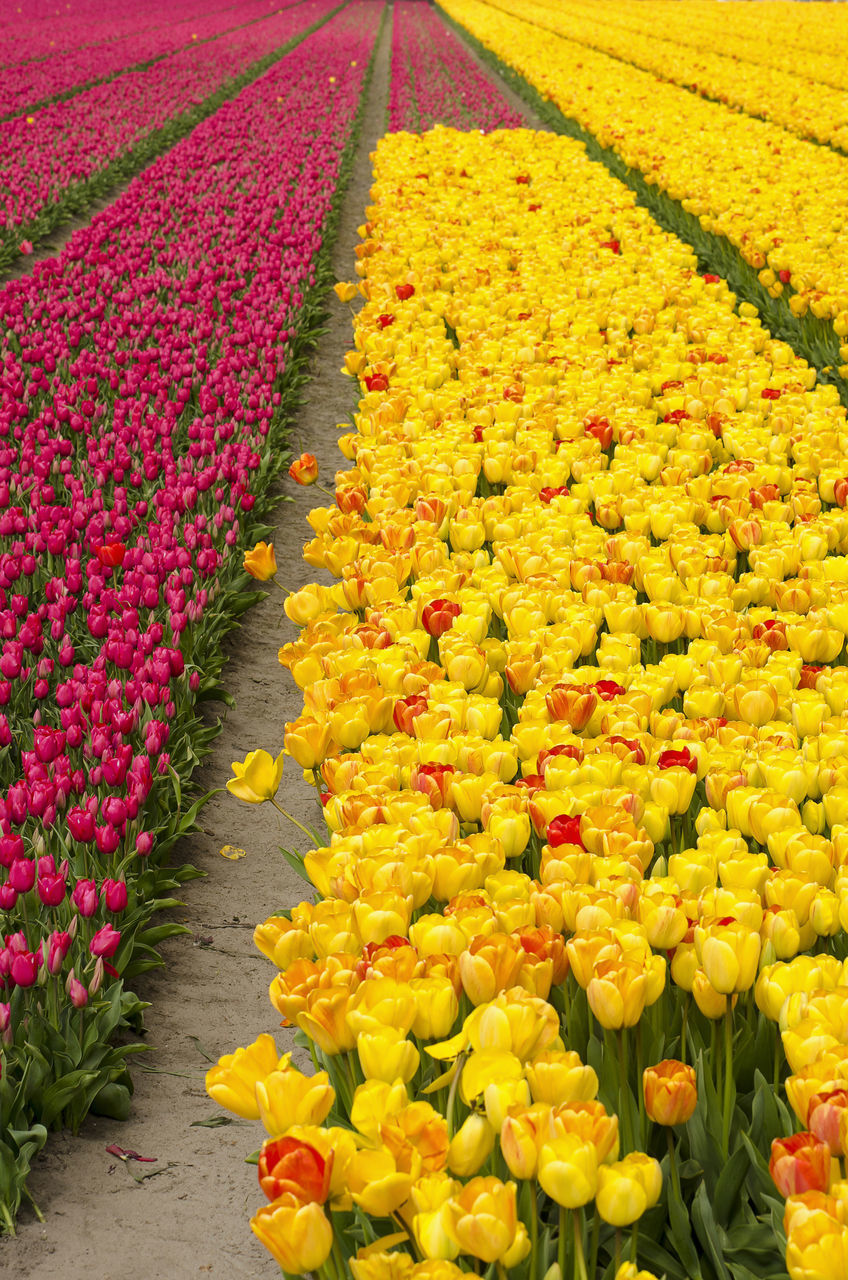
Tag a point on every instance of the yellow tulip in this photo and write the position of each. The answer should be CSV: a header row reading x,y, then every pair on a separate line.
x,y
299,1236
628,1188
257,777
483,1218
260,561
471,1145
288,1097
568,1170
232,1081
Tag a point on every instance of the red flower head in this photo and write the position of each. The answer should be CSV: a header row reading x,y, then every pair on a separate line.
x,y
681,759
288,1166
609,689
438,616
406,710
564,830
111,554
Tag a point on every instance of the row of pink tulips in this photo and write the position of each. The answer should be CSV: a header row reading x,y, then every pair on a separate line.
x,y
144,384
51,160
435,80
160,33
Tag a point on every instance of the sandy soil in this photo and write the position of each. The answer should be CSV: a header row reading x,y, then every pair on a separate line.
x,y
187,1214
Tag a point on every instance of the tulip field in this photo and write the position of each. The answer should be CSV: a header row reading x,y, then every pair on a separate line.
x,y
566,994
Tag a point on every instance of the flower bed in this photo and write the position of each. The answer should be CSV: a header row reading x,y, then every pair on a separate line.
x,y
789,39
728,184
55,162
435,80
786,98
161,32
576,710
146,378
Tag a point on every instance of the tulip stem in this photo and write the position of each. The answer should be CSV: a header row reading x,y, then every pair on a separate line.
x,y
311,836
728,1080
579,1255
593,1250
617,1250
561,1241
672,1165
684,1019
338,1259
640,1092
460,1063
501,1270
534,1232
399,1222
634,1243
624,1092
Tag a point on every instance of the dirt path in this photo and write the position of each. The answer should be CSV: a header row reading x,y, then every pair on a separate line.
x,y
189,1215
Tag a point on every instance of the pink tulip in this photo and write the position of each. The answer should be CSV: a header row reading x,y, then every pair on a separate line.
x,y
105,942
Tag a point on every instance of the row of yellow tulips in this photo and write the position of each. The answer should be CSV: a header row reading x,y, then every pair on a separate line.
x,y
776,33
784,97
576,711
775,197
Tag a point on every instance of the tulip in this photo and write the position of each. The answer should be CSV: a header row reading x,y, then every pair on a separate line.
x,y
286,1097
304,470
800,1163
439,616
568,1170
257,778
483,1219
376,1184
387,1055
827,1118
628,1188
298,1236
105,941
471,1145
557,1077
232,1081
290,1167
260,561
729,953
670,1092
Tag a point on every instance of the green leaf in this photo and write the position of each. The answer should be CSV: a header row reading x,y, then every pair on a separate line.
x,y
113,1100
726,1200
680,1234
296,864
709,1232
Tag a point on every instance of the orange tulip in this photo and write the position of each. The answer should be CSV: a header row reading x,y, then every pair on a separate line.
x,y
260,561
572,703
304,470
670,1092
800,1163
290,1167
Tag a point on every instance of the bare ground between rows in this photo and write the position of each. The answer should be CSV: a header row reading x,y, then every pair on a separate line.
x,y
187,1214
